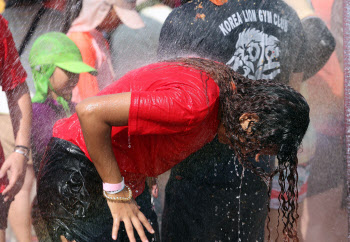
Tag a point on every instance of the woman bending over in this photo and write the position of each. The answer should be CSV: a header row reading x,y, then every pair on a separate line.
x,y
148,121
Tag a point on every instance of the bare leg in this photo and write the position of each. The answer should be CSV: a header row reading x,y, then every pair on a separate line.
x,y
19,214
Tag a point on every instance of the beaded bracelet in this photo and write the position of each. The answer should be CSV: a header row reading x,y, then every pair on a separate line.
x,y
116,199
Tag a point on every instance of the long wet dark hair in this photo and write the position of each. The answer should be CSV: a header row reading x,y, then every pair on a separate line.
x,y
283,118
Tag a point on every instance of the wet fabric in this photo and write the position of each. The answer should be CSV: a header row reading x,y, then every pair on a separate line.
x,y
41,75
70,197
12,73
258,39
206,189
44,117
173,113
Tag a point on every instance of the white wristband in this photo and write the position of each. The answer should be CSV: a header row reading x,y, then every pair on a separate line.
x,y
114,188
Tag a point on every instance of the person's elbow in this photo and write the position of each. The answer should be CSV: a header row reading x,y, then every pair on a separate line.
x,y
85,109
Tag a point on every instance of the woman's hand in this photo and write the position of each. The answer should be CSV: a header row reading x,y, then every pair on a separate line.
x,y
129,213
16,164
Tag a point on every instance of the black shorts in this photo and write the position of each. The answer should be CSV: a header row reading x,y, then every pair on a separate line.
x,y
4,211
70,197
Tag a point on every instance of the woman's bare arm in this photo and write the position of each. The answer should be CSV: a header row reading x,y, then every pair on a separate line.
x,y
97,115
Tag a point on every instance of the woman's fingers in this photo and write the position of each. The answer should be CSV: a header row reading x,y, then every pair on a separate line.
x,y
138,226
115,228
132,217
10,189
145,222
129,230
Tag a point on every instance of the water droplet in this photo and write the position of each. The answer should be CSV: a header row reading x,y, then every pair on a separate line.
x,y
129,142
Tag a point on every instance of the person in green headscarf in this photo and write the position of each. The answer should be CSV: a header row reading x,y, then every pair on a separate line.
x,y
56,63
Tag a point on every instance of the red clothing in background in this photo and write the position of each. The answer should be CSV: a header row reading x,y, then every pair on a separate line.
x,y
11,71
87,85
173,113
95,52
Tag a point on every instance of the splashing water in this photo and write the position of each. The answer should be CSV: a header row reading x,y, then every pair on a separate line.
x,y
239,204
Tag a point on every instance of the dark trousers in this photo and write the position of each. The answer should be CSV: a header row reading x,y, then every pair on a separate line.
x,y
206,199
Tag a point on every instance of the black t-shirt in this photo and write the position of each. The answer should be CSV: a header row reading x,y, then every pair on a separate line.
x,y
259,39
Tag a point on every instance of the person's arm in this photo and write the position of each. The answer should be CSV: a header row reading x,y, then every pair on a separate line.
x,y
21,116
97,115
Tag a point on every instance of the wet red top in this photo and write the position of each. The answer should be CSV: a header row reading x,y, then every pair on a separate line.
x,y
11,71
173,113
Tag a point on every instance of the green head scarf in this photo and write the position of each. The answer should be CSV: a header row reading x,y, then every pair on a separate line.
x,y
49,51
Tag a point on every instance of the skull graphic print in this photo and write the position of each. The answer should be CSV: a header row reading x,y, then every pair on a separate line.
x,y
257,55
